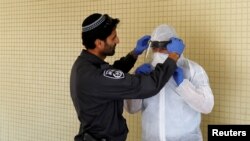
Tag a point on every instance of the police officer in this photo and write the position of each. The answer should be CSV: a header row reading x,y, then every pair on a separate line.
x,y
98,88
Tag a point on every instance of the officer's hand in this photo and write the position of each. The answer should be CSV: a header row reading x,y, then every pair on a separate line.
x,y
142,44
178,76
144,69
175,46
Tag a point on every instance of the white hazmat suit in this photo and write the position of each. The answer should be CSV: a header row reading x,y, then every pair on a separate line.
x,y
175,113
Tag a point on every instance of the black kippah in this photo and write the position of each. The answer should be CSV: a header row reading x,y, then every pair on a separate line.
x,y
92,22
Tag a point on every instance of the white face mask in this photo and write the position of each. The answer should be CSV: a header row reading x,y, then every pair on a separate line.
x,y
158,57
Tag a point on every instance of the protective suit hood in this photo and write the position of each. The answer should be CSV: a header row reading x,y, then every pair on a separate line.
x,y
163,33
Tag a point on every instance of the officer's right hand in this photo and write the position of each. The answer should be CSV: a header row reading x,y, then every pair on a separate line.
x,y
144,69
175,46
142,44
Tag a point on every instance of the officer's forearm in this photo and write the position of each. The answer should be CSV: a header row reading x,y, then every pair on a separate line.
x,y
133,54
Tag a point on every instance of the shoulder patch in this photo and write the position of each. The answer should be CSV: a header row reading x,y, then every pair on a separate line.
x,y
113,74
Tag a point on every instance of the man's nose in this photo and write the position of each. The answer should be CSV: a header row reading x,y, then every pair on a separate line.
x,y
117,40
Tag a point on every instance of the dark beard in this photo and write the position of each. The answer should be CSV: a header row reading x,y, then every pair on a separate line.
x,y
109,51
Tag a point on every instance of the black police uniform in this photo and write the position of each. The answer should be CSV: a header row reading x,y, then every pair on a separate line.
x,y
98,90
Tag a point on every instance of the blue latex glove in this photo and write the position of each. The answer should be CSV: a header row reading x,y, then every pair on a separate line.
x,y
176,45
144,69
178,76
142,44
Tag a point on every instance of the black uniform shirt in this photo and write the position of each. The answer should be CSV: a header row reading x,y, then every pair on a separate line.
x,y
98,90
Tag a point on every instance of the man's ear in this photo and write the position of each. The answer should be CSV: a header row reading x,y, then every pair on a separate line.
x,y
99,43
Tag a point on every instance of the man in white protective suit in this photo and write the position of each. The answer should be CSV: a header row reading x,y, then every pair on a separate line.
x,y
174,114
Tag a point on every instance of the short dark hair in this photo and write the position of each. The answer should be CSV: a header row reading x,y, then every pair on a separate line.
x,y
97,26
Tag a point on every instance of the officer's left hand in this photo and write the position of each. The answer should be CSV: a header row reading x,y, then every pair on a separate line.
x,y
142,44
178,76
144,69
176,45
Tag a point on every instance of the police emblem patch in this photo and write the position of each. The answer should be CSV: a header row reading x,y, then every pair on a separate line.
x,y
114,74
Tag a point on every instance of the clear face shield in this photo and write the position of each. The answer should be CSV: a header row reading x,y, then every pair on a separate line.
x,y
159,47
